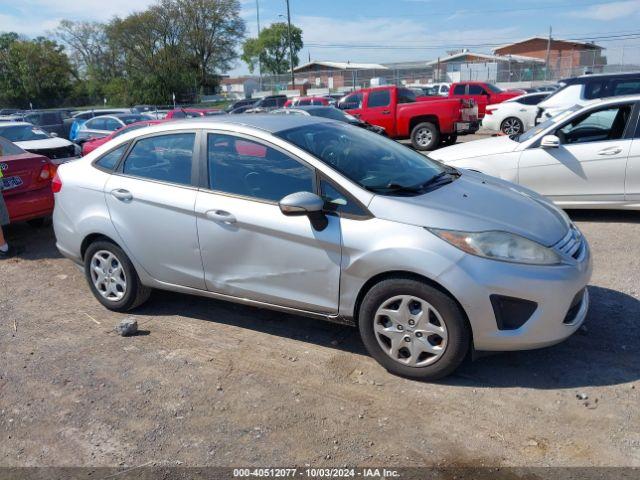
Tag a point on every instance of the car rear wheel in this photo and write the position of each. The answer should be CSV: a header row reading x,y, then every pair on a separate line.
x,y
511,126
425,136
448,140
413,329
112,278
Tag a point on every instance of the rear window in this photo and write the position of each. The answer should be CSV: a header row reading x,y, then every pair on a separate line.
x,y
7,148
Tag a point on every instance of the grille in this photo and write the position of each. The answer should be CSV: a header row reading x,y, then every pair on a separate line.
x,y
572,245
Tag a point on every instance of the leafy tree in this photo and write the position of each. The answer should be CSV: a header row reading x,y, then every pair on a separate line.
x,y
33,71
271,49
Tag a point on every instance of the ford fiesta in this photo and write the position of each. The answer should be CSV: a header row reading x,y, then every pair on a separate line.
x,y
311,216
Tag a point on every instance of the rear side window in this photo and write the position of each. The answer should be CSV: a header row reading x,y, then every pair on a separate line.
x,y
532,99
242,167
112,124
406,96
444,89
476,90
459,90
111,159
379,98
166,158
96,124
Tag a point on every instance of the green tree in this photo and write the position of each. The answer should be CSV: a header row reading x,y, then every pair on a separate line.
x,y
33,71
271,49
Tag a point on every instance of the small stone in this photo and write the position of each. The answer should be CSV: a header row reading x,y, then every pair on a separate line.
x,y
219,388
127,327
532,443
582,396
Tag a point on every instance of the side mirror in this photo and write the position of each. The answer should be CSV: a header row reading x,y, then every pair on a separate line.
x,y
550,141
305,204
53,135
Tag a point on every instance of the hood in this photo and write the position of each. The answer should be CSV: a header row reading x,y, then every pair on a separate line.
x,y
46,143
486,146
476,203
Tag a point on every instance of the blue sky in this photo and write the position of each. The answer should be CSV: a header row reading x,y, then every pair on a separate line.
x,y
384,30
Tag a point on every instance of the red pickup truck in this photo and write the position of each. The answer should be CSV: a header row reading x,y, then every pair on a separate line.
x,y
402,115
482,93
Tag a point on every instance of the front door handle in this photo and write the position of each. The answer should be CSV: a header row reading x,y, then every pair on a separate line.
x,y
220,216
386,112
122,194
610,151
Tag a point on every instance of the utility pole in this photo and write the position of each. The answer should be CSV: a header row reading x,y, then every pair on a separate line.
x,y
293,79
259,61
546,70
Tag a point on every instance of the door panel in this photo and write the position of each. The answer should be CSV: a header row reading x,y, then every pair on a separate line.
x,y
582,172
632,186
157,225
380,110
251,250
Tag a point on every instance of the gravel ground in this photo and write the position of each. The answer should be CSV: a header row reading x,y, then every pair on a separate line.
x,y
212,383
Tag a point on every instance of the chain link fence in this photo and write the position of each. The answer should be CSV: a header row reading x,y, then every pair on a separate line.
x,y
504,71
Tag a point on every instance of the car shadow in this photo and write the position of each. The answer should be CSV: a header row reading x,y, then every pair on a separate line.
x,y
605,216
34,242
603,352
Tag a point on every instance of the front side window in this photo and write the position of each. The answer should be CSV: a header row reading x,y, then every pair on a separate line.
x,y
459,90
351,102
250,169
111,124
379,98
109,160
337,201
166,158
596,126
374,162
96,124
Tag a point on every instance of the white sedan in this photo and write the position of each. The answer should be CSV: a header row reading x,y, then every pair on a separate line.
x,y
585,157
514,116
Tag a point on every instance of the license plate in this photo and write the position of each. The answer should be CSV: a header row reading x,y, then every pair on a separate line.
x,y
10,182
463,125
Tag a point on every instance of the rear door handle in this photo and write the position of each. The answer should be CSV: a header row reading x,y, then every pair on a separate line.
x,y
386,112
610,151
220,216
122,194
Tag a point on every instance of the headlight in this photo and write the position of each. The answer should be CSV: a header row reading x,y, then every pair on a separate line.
x,y
498,245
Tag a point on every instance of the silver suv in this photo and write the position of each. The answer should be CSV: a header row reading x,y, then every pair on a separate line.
x,y
320,218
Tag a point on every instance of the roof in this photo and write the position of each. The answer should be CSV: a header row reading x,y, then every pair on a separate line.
x,y
263,121
556,40
492,58
343,66
16,124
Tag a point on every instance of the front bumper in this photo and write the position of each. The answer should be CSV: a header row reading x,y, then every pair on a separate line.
x,y
467,128
552,288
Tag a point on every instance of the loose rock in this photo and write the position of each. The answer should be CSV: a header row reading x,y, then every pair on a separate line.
x,y
127,327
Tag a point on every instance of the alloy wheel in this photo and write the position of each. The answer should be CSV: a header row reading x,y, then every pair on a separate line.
x,y
108,276
511,126
410,330
424,137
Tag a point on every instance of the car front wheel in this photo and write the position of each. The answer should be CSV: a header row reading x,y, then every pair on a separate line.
x,y
413,329
112,277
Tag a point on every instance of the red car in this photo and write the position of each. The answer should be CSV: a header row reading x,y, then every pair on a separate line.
x,y
193,113
482,93
90,145
402,115
26,183
302,101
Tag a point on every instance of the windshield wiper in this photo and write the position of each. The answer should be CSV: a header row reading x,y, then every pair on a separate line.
x,y
396,188
441,178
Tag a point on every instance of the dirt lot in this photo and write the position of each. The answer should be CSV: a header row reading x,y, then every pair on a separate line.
x,y
211,383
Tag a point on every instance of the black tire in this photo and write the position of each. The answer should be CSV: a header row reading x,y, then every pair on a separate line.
x,y
135,293
458,332
427,129
448,140
511,123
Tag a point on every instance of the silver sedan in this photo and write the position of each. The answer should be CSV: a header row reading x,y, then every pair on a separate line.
x,y
320,218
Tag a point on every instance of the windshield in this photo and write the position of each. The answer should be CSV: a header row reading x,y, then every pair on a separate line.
x,y
492,88
529,134
368,159
23,133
